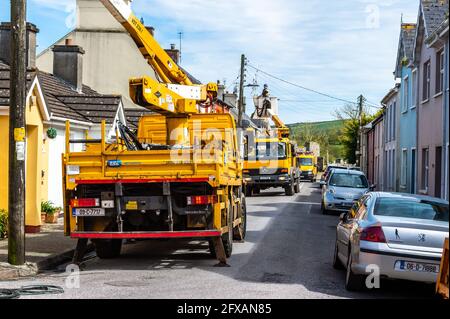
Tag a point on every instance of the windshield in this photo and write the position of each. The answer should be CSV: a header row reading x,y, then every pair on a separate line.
x,y
348,180
411,208
304,161
270,150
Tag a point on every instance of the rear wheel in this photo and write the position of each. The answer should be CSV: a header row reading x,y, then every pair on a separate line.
x,y
248,191
337,264
227,238
108,248
241,229
353,282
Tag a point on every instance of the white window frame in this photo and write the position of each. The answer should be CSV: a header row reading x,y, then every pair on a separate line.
x,y
414,89
425,169
405,101
440,63
404,168
426,86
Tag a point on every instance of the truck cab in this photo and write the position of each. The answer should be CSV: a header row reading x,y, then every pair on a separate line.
x,y
308,166
270,164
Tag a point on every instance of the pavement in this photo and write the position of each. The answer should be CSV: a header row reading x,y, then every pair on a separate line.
x,y
287,254
44,250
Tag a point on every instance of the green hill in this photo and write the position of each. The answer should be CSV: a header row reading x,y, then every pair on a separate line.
x,y
325,133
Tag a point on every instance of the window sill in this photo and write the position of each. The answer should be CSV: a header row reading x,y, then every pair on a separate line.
x,y
423,192
425,101
438,94
412,107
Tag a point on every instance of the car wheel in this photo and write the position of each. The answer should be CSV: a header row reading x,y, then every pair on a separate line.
x,y
323,210
353,282
337,264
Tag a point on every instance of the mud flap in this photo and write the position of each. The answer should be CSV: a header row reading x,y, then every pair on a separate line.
x,y
220,252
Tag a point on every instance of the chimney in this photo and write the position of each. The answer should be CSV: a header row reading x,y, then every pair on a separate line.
x,y
5,43
174,53
68,64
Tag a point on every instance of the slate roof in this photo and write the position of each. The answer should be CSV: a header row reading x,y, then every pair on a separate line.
x,y
435,12
408,39
63,100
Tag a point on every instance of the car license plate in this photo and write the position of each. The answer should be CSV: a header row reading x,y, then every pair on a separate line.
x,y
403,265
265,178
85,212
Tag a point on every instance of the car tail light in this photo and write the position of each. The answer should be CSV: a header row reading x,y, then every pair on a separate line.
x,y
85,202
201,200
373,234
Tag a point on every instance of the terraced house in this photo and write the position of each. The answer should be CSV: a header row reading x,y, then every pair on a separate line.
x,y
431,48
407,117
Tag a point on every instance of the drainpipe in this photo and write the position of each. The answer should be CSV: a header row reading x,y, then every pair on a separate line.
x,y
445,121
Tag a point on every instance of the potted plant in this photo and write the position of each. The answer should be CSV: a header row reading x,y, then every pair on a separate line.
x,y
3,223
51,217
45,206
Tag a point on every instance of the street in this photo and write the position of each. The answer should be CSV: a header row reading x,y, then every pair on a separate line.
x,y
287,254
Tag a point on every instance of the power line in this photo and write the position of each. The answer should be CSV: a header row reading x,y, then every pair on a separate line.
x,y
308,89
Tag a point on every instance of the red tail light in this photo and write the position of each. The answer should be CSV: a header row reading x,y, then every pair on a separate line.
x,y
201,200
85,202
373,234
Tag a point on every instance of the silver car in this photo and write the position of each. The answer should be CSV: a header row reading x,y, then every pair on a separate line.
x,y
401,234
341,189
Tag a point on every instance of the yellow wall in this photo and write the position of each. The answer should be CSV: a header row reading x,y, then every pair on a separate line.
x,y
36,188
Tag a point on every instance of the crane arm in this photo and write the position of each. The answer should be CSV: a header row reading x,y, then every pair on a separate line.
x,y
157,57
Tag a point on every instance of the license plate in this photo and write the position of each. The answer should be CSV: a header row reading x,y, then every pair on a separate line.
x,y
404,265
265,178
83,212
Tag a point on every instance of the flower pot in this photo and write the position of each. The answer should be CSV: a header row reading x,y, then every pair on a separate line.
x,y
51,219
43,216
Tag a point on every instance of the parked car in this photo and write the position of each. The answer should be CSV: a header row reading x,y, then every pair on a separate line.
x,y
328,170
402,234
341,189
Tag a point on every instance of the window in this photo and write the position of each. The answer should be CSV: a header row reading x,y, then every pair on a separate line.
x,y
406,97
414,88
394,124
425,168
410,207
440,71
348,180
404,167
426,81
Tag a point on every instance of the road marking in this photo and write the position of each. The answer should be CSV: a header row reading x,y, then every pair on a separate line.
x,y
303,203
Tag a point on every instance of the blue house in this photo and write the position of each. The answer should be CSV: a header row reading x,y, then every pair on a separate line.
x,y
407,129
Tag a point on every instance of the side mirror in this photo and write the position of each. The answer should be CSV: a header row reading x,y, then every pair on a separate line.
x,y
343,217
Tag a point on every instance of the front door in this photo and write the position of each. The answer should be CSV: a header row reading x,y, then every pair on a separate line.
x,y
413,171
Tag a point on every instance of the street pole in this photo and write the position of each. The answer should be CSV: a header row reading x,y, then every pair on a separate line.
x,y
17,144
241,92
358,141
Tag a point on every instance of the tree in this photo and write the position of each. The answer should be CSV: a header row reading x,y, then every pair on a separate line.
x,y
350,134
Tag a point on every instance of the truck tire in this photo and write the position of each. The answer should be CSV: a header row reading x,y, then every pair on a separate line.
x,y
227,238
242,227
212,250
248,191
289,190
108,248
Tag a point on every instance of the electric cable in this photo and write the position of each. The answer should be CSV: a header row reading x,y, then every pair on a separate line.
x,y
308,89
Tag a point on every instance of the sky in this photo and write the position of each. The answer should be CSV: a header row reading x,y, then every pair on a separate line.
x,y
343,48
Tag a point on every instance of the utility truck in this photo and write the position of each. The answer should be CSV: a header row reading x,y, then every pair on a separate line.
x,y
179,176
270,156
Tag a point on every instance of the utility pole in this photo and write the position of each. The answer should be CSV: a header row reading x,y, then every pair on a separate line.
x,y
17,144
358,141
241,92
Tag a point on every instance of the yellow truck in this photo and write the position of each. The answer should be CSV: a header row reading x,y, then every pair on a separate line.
x,y
270,157
179,176
307,162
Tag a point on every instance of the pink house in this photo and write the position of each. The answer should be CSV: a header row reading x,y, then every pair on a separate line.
x,y
429,61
